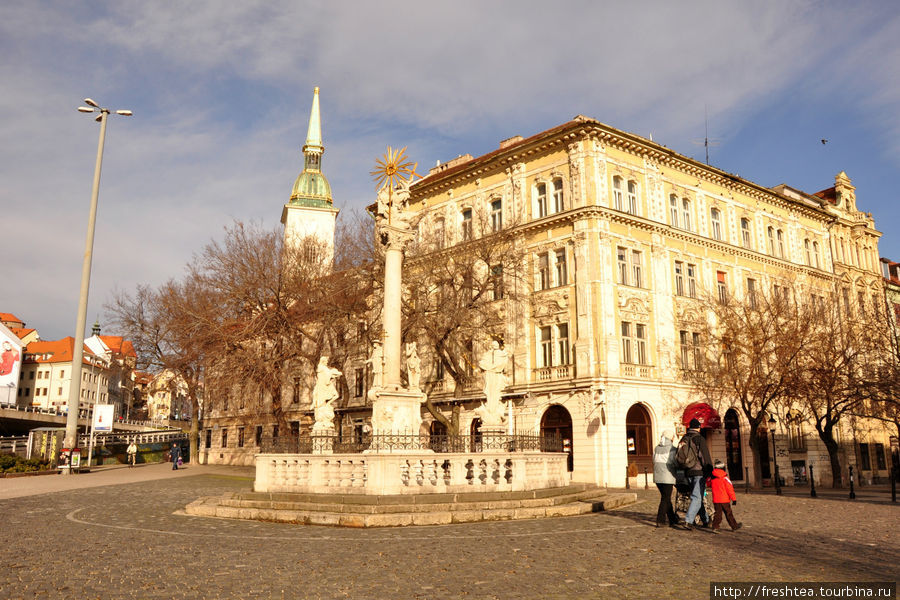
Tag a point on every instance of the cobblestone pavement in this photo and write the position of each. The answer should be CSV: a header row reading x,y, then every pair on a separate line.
x,y
128,541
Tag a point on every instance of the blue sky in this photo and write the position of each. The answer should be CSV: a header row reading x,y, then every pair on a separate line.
x,y
221,94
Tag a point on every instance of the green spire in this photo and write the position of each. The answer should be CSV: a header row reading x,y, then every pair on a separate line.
x,y
311,187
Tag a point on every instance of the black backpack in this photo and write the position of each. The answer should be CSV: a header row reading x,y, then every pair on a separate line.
x,y
687,456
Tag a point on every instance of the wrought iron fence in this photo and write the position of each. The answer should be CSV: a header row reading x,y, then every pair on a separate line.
x,y
310,444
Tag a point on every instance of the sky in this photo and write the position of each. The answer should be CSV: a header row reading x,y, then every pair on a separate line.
x,y
221,93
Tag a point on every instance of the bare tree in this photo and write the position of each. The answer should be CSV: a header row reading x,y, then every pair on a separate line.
x,y
751,349
457,298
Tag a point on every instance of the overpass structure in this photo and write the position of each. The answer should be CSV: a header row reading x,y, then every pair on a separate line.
x,y
16,421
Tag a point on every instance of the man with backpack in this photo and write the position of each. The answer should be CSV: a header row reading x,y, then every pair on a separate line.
x,y
693,457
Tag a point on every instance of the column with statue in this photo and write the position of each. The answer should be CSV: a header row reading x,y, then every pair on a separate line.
x,y
396,410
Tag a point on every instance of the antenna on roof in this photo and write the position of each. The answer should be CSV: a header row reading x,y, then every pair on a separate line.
x,y
706,142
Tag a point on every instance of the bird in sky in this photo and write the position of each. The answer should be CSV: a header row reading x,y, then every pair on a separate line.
x,y
824,141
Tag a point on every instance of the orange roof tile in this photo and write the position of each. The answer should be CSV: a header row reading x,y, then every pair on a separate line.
x,y
11,318
21,332
119,345
54,351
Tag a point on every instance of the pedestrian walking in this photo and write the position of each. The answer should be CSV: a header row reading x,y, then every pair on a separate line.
x,y
176,456
132,453
723,497
693,456
664,478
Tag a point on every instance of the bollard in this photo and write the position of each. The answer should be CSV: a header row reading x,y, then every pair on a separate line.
x,y
812,482
646,487
852,493
627,482
747,480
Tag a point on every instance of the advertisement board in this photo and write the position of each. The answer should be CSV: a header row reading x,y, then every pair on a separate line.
x,y
103,417
10,363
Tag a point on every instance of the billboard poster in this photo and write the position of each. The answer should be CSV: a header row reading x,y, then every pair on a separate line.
x,y
10,364
103,417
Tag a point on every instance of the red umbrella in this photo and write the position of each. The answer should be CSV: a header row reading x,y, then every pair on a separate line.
x,y
703,412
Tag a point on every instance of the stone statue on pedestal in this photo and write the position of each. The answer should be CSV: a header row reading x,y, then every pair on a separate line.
x,y
324,393
493,363
376,360
413,366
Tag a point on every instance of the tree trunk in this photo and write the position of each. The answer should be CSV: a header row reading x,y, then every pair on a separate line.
x,y
831,445
194,439
754,452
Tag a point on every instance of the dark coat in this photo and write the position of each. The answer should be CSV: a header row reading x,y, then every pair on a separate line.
x,y
705,461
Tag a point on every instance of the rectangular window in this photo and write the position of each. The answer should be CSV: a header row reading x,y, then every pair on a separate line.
x,y
751,293
865,463
274,431
880,462
617,192
546,347
62,373
721,287
780,235
497,282
621,257
561,275
224,438
673,210
562,344
692,280
686,213
679,278
438,370
640,343
846,295
627,356
695,338
497,215
259,431
544,271
359,382
240,437
558,205
467,224
636,280
684,338
208,441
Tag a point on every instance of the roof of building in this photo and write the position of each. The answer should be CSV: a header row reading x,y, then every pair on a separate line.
x,y
21,332
829,195
119,345
10,318
54,351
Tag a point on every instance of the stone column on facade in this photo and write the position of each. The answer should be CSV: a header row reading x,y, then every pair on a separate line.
x,y
584,332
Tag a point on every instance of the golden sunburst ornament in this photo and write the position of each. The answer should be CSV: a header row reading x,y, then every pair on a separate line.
x,y
394,167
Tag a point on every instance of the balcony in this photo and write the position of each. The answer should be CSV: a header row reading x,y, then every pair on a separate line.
x,y
557,373
637,371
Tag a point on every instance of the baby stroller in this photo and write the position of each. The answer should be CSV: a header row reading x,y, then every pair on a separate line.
x,y
683,497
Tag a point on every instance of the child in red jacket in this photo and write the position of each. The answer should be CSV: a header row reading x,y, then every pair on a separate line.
x,y
723,497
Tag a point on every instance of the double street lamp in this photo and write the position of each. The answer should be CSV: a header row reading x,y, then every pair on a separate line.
x,y
74,404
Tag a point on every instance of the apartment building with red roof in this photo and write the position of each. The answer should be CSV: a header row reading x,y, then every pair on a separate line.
x,y
47,371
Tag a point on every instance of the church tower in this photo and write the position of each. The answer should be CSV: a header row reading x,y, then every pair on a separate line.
x,y
310,211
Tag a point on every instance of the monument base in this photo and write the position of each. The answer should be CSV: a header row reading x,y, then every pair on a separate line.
x,y
397,411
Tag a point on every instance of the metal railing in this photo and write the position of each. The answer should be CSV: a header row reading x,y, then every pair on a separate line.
x,y
311,444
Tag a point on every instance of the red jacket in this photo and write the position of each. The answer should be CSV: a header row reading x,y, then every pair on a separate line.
x,y
722,490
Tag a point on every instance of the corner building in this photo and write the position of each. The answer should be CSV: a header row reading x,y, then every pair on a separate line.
x,y
622,235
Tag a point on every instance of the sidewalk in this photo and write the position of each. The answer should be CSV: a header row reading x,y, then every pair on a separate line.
x,y
18,487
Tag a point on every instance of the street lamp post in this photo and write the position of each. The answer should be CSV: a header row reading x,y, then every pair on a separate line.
x,y
775,455
74,403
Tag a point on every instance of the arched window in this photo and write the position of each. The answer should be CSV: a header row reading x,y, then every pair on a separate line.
x,y
540,208
686,213
617,192
770,233
467,224
780,235
632,197
745,233
816,253
808,250
673,209
558,200
556,428
715,221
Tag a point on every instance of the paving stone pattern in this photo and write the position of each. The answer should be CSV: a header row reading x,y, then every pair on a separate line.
x,y
129,541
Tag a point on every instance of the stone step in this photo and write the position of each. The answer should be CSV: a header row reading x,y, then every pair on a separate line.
x,y
335,514
420,503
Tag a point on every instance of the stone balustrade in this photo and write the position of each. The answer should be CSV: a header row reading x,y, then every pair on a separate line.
x,y
410,473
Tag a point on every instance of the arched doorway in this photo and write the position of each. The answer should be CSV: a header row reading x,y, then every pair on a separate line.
x,y
475,433
639,439
557,422
733,453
